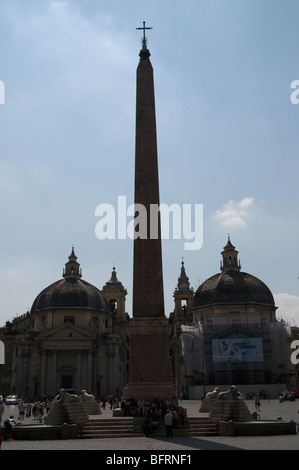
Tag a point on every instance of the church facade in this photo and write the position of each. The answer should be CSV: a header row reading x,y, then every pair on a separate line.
x,y
73,337
227,332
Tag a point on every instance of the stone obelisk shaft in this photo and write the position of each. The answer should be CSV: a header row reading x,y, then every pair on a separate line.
x,y
148,297
148,331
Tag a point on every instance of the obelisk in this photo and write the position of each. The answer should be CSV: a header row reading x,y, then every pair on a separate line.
x,y
148,331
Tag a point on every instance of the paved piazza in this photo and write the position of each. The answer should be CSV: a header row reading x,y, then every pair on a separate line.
x,y
270,409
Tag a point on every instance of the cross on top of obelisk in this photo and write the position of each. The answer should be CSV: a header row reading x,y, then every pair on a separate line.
x,y
144,39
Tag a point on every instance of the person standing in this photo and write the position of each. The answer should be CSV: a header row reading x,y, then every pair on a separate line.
x,y
28,410
22,408
104,399
147,426
8,428
257,403
168,419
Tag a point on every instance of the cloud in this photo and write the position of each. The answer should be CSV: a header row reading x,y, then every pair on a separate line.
x,y
234,214
288,307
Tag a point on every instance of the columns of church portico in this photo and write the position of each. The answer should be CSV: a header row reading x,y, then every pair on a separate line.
x,y
54,372
113,382
79,368
89,372
48,372
22,368
85,371
84,367
43,372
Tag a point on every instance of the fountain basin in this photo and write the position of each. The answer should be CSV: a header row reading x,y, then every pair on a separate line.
x,y
35,432
257,428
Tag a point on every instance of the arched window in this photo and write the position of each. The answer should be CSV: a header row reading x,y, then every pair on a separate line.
x,y
113,305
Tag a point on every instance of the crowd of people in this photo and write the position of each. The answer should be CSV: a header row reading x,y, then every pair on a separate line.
x,y
37,410
154,412
263,394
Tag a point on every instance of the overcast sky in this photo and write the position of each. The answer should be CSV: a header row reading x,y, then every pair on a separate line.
x,y
228,138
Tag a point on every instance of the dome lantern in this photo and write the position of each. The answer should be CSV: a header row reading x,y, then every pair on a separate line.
x,y
232,286
230,258
72,267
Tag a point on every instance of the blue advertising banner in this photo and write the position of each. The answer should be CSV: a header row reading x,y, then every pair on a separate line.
x,y
237,350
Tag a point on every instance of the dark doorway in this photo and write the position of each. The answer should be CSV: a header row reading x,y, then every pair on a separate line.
x,y
67,381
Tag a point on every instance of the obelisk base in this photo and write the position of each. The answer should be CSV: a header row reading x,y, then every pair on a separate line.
x,y
149,359
149,391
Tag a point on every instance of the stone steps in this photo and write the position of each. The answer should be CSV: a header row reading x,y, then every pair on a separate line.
x,y
203,427
128,427
195,427
103,428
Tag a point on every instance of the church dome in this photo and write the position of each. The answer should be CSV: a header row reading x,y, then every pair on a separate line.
x,y
72,292
232,286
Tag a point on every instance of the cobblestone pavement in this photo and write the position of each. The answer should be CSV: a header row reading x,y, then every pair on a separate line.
x,y
270,409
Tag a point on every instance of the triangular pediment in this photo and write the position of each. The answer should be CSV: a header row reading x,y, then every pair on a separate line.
x,y
236,332
67,330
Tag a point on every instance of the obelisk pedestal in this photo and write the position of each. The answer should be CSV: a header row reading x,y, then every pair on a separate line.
x,y
149,363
